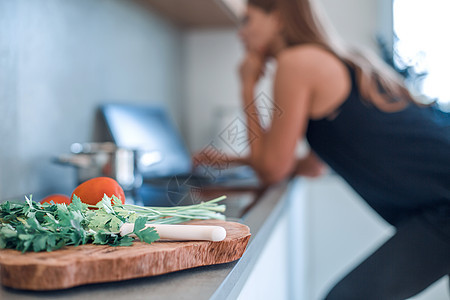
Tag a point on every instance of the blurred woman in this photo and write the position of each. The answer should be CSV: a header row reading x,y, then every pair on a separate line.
x,y
361,120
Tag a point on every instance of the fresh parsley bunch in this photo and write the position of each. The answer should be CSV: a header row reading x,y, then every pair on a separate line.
x,y
38,227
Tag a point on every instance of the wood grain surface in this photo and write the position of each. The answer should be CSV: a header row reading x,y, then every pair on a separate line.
x,y
74,266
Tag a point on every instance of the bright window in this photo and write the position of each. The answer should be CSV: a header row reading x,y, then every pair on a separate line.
x,y
422,43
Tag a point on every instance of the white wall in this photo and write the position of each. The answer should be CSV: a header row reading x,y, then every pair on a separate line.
x,y
354,20
211,84
58,61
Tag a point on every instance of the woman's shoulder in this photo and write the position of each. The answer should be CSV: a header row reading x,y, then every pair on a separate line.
x,y
308,56
320,70
303,49
312,61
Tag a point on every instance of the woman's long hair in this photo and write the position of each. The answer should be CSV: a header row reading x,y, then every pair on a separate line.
x,y
305,23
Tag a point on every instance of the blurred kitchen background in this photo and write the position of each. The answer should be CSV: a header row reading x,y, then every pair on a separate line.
x,y
59,60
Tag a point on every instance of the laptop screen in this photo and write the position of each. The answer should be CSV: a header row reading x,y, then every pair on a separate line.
x,y
150,129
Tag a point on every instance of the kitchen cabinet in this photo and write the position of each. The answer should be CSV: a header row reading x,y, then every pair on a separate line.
x,y
279,270
198,13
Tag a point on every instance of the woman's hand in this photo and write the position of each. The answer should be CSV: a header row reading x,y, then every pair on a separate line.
x,y
310,166
214,157
251,69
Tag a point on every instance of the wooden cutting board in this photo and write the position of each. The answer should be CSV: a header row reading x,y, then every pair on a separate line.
x,y
73,266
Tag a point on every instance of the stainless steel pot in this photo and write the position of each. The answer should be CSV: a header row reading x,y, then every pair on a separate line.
x,y
104,159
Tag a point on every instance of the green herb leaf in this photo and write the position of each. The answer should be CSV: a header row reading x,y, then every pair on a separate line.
x,y
147,235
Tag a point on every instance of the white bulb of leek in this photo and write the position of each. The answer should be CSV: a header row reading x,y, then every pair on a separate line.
x,y
182,232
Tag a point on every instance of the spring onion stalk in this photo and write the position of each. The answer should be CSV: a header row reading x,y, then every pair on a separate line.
x,y
179,214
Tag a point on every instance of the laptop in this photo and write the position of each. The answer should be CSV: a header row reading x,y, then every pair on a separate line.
x,y
163,156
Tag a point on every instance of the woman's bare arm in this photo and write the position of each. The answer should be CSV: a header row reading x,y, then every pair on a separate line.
x,y
273,151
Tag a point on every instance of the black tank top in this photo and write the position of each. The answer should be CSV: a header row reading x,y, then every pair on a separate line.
x,y
398,162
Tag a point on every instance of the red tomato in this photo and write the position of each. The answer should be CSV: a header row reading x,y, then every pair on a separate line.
x,y
92,190
57,198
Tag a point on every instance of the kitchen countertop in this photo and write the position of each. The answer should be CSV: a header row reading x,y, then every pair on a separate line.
x,y
223,281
